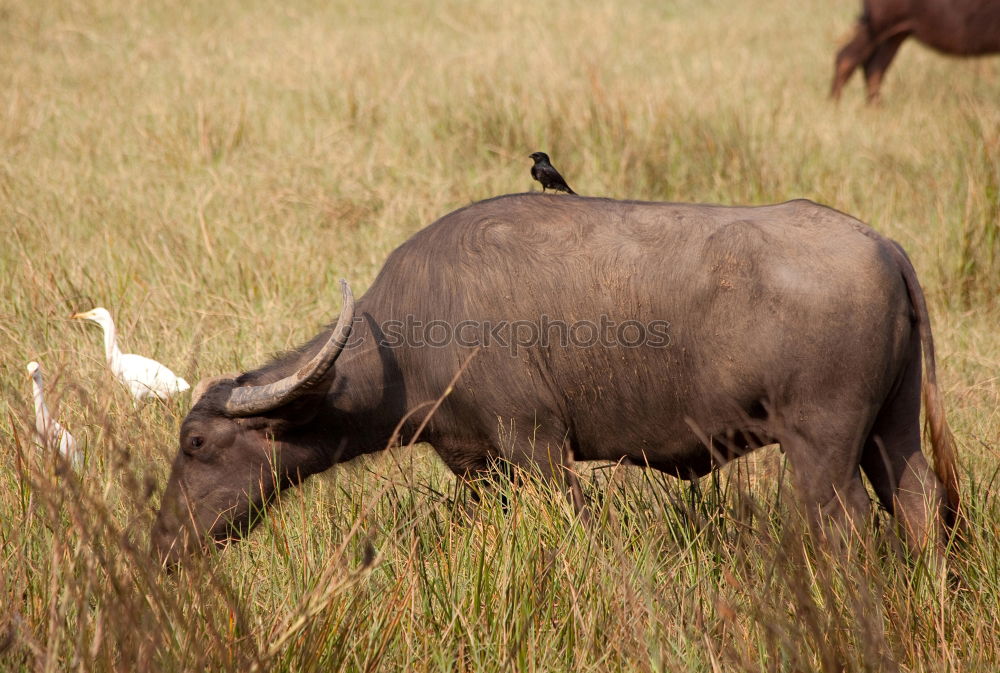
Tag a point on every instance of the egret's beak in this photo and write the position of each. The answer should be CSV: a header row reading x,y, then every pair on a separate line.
x,y
80,316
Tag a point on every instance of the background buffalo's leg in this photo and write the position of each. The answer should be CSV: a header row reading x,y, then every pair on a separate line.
x,y
824,457
903,481
877,64
850,57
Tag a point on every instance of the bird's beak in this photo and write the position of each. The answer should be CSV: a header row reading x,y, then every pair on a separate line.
x,y
80,316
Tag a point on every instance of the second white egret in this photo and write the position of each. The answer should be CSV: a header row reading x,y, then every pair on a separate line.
x,y
142,376
51,434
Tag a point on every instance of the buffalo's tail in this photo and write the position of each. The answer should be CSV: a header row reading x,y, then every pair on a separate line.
x,y
942,440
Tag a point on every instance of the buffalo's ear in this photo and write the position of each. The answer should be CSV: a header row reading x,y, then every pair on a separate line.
x,y
280,421
297,413
202,386
304,408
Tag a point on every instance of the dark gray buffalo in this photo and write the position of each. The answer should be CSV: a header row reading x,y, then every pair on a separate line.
x,y
667,335
959,27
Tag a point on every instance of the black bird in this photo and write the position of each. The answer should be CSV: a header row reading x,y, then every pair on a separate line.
x,y
546,173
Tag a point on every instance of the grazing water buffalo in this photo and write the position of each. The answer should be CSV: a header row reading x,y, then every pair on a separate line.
x,y
667,335
960,27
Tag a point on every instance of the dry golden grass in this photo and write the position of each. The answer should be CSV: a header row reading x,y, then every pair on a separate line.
x,y
207,171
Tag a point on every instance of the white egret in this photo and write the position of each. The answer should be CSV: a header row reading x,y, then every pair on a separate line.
x,y
52,435
142,376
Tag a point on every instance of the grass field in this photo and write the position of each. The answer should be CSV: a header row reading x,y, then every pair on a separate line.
x,y
208,170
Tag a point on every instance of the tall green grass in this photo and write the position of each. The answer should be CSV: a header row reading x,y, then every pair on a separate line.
x,y
208,171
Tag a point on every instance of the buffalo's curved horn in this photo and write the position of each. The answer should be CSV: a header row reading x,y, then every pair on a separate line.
x,y
252,400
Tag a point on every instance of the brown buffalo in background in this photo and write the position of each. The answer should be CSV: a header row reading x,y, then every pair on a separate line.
x,y
960,27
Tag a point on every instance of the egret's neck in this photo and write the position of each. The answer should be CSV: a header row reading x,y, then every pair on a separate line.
x,y
36,389
111,350
41,411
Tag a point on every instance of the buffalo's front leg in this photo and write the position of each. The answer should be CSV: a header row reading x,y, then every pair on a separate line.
x,y
479,469
547,452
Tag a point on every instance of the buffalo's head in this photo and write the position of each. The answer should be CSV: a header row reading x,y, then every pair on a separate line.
x,y
239,444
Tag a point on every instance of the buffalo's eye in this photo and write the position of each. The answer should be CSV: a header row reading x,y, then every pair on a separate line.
x,y
197,442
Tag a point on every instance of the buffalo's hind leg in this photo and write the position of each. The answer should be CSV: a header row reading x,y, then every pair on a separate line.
x,y
824,456
903,481
853,54
878,63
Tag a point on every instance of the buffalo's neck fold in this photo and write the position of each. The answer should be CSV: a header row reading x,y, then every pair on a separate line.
x,y
367,401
